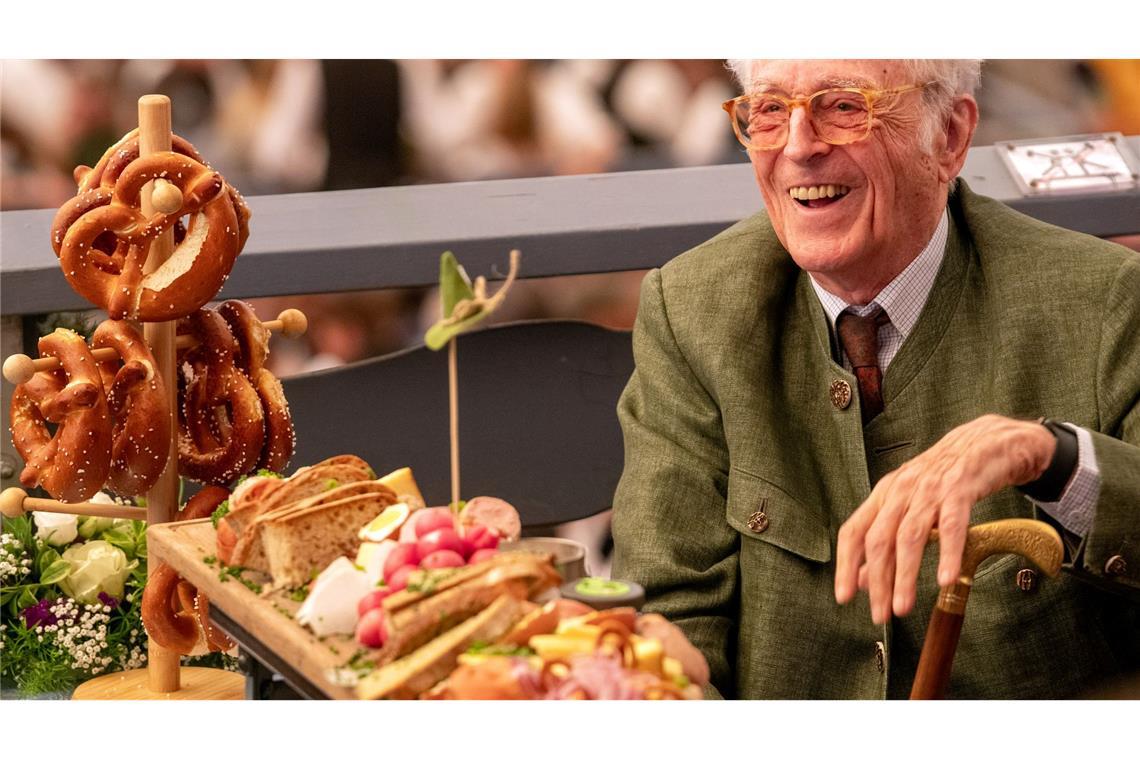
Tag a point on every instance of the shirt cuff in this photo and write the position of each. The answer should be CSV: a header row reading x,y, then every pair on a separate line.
x,y
1077,505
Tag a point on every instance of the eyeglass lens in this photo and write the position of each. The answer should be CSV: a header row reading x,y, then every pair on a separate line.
x,y
838,117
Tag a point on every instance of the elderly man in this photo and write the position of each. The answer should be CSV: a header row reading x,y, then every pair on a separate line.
x,y
869,358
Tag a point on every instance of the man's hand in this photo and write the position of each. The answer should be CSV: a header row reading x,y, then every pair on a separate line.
x,y
881,544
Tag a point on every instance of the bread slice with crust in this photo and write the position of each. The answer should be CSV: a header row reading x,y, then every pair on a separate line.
x,y
414,674
304,539
243,545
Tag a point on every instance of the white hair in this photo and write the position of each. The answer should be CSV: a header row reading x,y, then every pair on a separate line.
x,y
949,78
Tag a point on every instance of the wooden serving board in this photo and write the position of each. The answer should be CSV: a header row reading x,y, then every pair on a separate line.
x,y
190,548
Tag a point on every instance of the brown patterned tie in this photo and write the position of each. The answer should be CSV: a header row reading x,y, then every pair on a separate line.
x,y
859,337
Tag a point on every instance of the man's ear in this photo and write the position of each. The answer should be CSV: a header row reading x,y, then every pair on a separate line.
x,y
959,131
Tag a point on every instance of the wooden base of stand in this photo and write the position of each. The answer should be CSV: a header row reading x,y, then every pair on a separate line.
x,y
197,683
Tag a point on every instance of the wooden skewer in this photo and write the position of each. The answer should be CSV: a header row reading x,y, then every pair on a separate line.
x,y
453,405
15,502
19,368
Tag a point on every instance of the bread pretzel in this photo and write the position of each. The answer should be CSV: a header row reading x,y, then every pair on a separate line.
x,y
221,424
96,186
253,349
72,464
165,617
175,613
136,399
103,239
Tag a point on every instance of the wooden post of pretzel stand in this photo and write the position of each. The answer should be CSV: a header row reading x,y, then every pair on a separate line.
x,y
163,678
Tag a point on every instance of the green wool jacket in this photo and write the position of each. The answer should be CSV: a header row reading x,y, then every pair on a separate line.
x,y
729,411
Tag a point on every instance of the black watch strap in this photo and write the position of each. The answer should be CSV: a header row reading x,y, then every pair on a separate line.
x,y
1052,482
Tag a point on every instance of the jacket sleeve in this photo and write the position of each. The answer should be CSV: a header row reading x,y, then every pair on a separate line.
x,y
1110,552
669,526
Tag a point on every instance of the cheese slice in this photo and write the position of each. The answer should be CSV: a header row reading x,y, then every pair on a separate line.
x,y
404,484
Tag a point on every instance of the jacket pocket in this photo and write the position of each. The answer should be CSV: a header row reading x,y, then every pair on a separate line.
x,y
788,523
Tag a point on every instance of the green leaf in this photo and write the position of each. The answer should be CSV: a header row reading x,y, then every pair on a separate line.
x,y
124,538
121,537
27,599
454,285
56,572
47,558
21,528
439,334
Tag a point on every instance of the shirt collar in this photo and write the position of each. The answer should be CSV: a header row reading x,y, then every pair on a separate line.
x,y
904,296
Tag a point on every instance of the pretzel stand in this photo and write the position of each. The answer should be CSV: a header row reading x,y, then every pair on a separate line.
x,y
163,678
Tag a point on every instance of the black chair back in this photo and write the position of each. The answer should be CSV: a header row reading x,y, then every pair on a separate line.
x,y
537,419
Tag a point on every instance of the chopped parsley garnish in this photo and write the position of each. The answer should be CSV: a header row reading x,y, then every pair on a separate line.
x,y
222,510
251,585
210,559
499,650
262,473
299,594
359,664
234,571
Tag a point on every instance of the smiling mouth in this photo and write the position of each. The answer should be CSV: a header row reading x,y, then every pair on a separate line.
x,y
817,196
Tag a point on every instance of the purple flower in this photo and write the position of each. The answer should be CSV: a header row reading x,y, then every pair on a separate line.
x,y
108,600
39,613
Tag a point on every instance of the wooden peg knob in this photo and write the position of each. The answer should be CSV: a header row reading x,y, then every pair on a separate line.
x,y
166,198
19,368
12,502
293,322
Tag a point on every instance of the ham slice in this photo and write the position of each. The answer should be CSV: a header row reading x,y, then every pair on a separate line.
x,y
494,514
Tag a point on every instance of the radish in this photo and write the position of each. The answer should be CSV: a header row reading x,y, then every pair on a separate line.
x,y
403,554
434,519
399,579
482,554
372,600
444,538
372,630
481,537
442,558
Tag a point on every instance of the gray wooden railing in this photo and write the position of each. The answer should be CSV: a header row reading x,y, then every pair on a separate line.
x,y
392,237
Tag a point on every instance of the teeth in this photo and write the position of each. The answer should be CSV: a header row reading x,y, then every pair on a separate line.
x,y
818,191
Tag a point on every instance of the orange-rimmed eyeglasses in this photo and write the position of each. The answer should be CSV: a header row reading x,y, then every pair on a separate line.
x,y
840,115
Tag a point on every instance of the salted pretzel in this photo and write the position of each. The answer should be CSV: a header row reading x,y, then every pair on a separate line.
x,y
175,613
103,239
221,420
140,413
253,349
72,464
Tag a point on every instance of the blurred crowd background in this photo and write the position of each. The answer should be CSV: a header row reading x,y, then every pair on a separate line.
x,y
282,126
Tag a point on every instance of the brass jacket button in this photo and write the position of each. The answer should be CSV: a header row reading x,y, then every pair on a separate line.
x,y
880,656
758,522
1027,579
840,394
1115,565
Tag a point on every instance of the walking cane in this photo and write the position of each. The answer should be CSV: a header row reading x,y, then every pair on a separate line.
x,y
1037,541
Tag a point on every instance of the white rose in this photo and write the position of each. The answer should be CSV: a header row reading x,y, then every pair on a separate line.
x,y
56,529
95,566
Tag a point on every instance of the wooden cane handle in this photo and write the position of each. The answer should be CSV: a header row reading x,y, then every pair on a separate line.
x,y
1036,541
19,368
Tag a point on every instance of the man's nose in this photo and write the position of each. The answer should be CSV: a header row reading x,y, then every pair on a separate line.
x,y
803,142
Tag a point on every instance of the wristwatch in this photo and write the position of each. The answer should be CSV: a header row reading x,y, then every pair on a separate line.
x,y
1051,484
